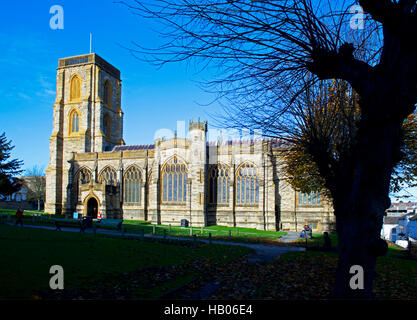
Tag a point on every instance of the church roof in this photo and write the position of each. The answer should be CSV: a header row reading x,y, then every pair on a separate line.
x,y
134,147
274,142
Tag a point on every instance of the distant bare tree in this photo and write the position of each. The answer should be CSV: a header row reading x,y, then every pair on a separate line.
x,y
36,184
271,52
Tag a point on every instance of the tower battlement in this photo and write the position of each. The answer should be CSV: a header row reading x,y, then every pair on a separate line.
x,y
202,125
86,59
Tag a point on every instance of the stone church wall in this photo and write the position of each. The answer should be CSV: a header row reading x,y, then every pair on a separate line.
x,y
92,150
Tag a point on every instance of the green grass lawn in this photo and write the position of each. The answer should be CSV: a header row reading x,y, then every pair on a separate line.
x,y
135,226
88,260
29,217
217,232
25,212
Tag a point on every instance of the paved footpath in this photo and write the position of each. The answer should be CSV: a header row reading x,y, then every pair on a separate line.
x,y
290,236
263,253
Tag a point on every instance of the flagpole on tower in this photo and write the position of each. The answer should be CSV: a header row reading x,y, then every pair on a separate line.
x,y
90,41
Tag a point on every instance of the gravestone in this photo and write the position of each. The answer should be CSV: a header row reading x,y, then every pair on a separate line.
x,y
184,223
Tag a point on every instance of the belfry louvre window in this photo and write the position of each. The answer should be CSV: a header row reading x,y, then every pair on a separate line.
x,y
219,182
132,185
107,94
174,181
247,185
75,88
84,176
309,198
108,177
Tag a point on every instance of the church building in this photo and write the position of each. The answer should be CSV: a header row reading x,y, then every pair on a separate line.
x,y
91,170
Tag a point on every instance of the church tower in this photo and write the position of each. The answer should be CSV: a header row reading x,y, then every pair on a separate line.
x,y
197,172
87,117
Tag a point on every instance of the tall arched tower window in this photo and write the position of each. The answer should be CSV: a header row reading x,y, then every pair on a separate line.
x,y
107,94
75,88
247,185
132,185
219,181
74,121
107,125
108,177
174,181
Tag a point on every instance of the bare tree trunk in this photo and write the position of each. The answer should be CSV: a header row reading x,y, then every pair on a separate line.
x,y
39,205
360,204
359,245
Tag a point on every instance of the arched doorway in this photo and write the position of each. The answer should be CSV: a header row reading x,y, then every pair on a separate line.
x,y
92,208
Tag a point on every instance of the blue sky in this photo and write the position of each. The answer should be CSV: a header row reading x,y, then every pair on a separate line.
x,y
152,98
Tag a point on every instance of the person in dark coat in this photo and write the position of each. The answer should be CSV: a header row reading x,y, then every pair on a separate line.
x,y
327,242
303,233
19,216
309,232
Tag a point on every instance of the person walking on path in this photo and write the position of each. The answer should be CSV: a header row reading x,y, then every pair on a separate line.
x,y
303,232
19,216
309,232
327,242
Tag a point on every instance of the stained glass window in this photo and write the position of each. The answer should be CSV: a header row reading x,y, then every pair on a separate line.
x,y
132,185
174,181
219,182
247,185
108,177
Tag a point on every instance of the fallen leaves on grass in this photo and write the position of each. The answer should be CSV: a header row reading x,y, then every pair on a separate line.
x,y
299,277
127,285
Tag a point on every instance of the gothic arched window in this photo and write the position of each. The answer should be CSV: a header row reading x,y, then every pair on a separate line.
x,y
84,176
75,88
108,177
107,94
247,185
219,181
174,181
132,185
74,121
